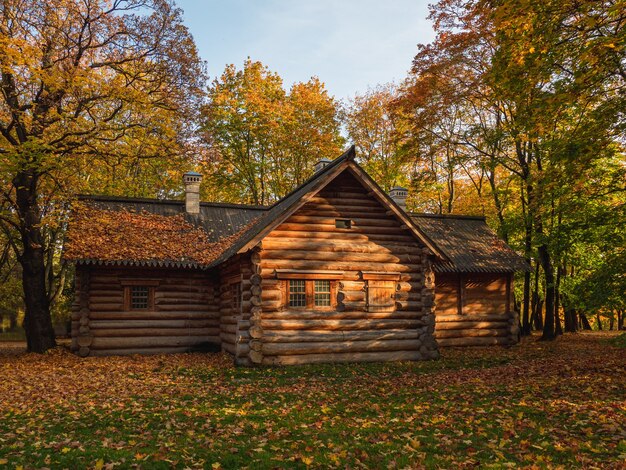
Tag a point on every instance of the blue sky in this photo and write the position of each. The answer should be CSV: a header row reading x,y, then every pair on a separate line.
x,y
348,44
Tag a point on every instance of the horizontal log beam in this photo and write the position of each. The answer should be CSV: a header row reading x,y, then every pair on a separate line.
x,y
356,221
141,332
284,233
471,333
275,349
335,201
318,228
497,341
134,315
142,351
465,325
343,256
341,266
184,323
470,317
339,315
150,341
339,324
380,356
306,336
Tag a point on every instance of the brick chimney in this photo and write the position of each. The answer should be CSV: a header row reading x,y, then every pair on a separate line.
x,y
192,182
399,194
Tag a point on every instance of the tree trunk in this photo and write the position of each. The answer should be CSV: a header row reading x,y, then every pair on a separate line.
x,y
620,320
599,322
526,327
584,321
538,314
12,321
549,332
571,322
37,320
536,318
557,296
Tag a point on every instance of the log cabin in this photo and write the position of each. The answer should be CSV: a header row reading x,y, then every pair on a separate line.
x,y
336,271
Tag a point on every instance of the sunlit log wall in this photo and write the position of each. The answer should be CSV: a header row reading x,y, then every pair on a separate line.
x,y
183,316
309,240
475,310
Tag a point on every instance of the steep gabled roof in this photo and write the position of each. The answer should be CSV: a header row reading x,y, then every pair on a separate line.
x,y
221,230
469,244
280,211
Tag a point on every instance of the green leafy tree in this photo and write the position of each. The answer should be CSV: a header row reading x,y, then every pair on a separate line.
x,y
85,86
262,140
378,128
537,112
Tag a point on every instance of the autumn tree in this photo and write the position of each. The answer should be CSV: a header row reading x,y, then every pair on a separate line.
x,y
377,128
537,111
263,140
82,83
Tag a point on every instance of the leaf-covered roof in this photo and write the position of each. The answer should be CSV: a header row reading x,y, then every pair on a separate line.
x,y
124,236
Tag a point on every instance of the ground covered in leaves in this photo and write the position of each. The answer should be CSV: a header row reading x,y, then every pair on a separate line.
x,y
560,404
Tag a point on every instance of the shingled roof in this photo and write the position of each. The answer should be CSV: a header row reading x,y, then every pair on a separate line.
x,y
277,213
153,232
470,245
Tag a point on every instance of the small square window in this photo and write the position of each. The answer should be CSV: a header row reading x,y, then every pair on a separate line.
x,y
297,293
139,297
310,294
322,293
343,223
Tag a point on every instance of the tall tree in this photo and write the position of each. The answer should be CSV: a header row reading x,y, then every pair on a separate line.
x,y
536,111
377,128
262,139
82,82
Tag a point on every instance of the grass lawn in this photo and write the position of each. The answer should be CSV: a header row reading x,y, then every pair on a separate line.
x,y
560,404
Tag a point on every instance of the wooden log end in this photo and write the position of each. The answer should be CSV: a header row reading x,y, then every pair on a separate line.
x,y
256,357
84,341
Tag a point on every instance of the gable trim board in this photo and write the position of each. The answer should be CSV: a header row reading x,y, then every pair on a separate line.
x,y
381,273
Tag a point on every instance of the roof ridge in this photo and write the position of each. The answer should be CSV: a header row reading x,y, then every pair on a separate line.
x,y
447,216
103,198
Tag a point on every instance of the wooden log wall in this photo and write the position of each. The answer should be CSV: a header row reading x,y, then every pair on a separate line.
x,y
235,322
309,240
185,314
475,310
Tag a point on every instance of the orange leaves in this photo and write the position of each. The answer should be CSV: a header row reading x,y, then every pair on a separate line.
x,y
115,236
483,407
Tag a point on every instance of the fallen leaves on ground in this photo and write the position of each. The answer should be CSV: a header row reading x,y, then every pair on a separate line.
x,y
536,405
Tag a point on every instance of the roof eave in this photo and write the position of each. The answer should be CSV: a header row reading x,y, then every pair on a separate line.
x,y
141,263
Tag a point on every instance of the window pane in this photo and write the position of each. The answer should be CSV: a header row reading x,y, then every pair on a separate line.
x,y
139,296
296,286
322,293
343,223
322,286
297,293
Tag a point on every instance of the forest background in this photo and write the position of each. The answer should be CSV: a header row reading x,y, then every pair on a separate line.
x,y
515,111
